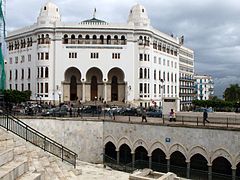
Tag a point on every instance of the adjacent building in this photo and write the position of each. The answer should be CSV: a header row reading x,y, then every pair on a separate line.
x,y
93,59
204,87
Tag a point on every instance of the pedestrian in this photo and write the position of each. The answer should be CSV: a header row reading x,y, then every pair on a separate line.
x,y
144,115
70,112
173,115
205,116
78,112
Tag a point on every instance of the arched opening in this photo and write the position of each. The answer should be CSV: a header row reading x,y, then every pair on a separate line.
x,y
65,39
87,39
46,72
72,39
123,40
108,39
141,158
221,168
238,170
178,164
199,168
102,39
80,41
159,162
73,88
94,88
114,89
115,39
125,156
110,152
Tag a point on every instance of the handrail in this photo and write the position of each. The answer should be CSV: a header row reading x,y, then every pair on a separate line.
x,y
18,127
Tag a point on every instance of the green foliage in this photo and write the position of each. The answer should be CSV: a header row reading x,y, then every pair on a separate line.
x,y
14,96
232,93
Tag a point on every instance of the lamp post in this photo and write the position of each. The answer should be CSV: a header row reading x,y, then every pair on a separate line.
x,y
59,95
162,81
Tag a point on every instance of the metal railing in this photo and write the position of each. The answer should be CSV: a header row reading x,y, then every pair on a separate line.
x,y
16,126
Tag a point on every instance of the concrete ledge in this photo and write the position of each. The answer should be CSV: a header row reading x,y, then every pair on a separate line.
x,y
6,156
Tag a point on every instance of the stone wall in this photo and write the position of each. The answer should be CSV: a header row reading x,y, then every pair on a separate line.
x,y
87,138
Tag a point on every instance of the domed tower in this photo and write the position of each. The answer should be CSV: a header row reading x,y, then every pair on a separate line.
x,y
138,16
49,13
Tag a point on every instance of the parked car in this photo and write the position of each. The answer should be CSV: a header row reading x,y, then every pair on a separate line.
x,y
129,112
154,113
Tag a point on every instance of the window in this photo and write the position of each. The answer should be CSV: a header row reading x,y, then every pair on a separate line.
x,y
155,88
72,55
22,85
41,87
22,74
164,62
29,86
94,55
16,87
115,55
10,86
16,60
10,75
155,75
37,87
46,56
140,57
167,62
29,57
140,73
16,74
155,59
41,72
159,60
42,55
22,59
10,60
46,72
46,87
29,73
38,72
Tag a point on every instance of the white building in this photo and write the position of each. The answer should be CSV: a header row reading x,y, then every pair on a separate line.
x,y
186,81
93,59
204,87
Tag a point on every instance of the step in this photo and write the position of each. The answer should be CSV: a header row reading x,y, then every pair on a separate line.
x,y
6,156
13,170
30,176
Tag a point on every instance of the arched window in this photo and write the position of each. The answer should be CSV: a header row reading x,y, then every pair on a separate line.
x,y
46,72
108,39
102,39
140,73
72,39
87,39
115,39
65,39
38,39
123,40
47,39
42,39
80,41
94,39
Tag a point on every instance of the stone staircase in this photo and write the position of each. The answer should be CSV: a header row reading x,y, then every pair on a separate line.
x,y
20,160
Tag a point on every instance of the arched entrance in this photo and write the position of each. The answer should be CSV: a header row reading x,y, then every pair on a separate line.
x,y
94,84
141,158
159,162
94,88
72,85
178,164
114,89
125,154
110,152
221,169
198,166
73,89
116,85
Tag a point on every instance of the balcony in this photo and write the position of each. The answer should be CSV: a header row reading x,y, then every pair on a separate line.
x,y
186,79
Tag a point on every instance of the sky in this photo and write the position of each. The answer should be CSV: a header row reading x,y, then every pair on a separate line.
x,y
210,27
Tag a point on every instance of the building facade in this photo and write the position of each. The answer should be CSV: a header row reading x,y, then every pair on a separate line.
x,y
91,60
204,87
186,81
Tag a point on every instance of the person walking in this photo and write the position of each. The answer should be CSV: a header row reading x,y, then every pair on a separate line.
x,y
78,112
205,116
144,115
172,116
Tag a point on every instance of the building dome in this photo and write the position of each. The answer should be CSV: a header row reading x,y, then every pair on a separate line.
x,y
138,16
49,13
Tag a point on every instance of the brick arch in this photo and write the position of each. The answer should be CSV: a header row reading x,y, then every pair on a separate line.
x,y
157,145
177,147
198,150
221,153
124,140
110,138
140,142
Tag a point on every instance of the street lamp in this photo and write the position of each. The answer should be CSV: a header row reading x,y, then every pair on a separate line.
x,y
162,81
59,95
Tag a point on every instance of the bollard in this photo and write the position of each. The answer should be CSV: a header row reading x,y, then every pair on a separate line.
x,y
227,122
163,118
197,121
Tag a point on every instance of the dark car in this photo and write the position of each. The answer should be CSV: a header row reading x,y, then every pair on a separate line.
x,y
129,112
154,113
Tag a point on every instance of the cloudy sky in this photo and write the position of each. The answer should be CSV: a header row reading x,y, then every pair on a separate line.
x,y
210,27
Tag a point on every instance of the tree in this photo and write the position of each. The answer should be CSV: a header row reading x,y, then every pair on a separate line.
x,y
232,93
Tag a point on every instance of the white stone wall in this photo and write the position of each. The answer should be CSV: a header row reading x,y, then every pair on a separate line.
x,y
87,138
